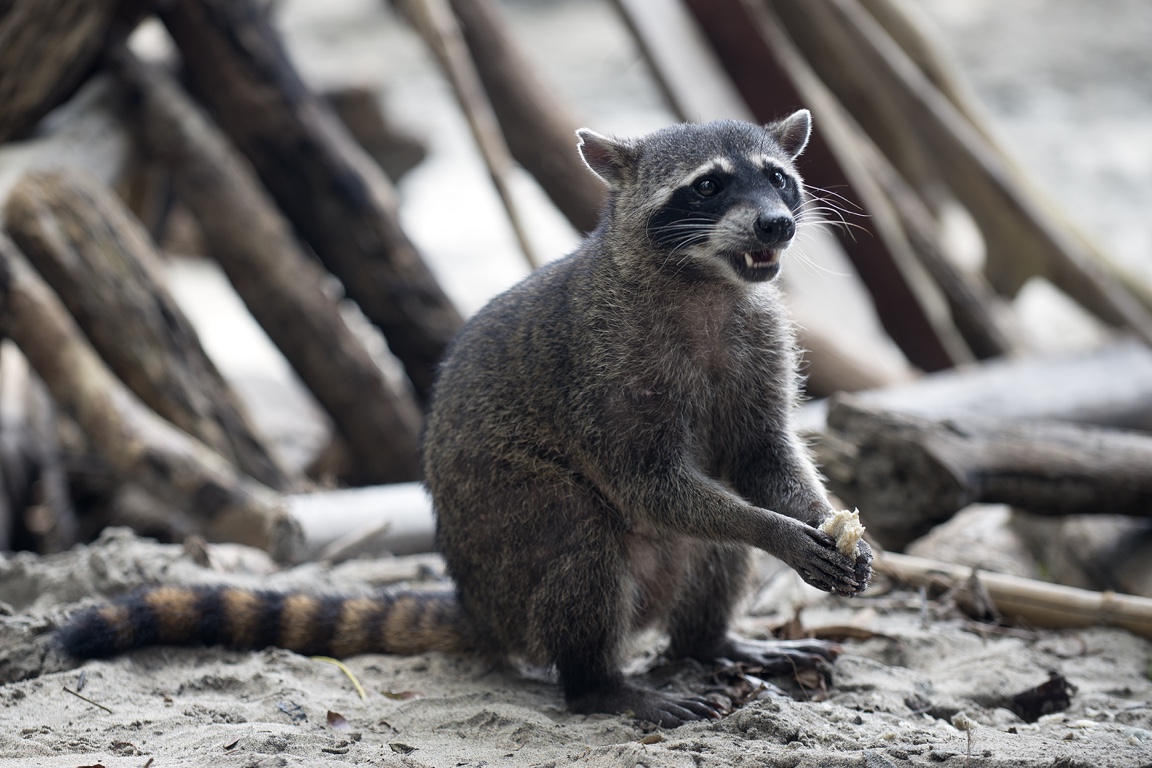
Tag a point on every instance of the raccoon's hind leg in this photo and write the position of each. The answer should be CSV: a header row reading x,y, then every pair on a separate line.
x,y
716,581
581,609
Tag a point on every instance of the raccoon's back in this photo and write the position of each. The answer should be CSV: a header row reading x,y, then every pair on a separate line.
x,y
330,625
503,378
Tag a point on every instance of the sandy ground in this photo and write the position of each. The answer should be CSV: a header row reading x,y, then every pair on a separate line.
x,y
166,707
1068,84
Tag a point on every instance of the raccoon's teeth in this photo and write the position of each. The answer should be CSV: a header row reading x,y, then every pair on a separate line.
x,y
767,258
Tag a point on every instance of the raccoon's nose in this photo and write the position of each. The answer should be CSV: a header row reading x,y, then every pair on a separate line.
x,y
775,228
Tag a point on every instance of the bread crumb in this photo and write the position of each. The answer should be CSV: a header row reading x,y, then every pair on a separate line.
x,y
845,527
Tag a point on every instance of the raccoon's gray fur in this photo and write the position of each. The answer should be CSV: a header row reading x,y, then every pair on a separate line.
x,y
608,438
605,443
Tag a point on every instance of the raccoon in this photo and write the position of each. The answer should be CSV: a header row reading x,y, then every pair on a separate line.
x,y
606,442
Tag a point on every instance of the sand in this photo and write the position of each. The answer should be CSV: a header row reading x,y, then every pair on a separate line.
x,y
197,707
200,706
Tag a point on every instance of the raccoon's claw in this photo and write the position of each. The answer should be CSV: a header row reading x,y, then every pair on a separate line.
x,y
659,708
820,564
781,657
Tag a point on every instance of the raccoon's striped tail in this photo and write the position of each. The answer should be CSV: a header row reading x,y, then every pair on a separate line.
x,y
402,622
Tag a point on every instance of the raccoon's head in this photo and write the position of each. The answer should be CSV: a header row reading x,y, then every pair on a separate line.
x,y
717,199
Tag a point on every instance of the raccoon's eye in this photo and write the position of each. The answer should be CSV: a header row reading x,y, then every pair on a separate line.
x,y
777,178
706,187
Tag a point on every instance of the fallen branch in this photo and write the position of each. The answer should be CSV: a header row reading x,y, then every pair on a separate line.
x,y
101,264
140,445
337,198
47,48
281,286
539,129
438,27
1028,601
911,474
754,49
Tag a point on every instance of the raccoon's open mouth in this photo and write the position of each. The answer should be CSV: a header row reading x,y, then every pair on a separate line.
x,y
760,259
755,266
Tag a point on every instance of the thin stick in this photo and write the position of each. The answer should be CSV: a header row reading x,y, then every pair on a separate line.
x,y
82,697
1040,603
347,672
438,26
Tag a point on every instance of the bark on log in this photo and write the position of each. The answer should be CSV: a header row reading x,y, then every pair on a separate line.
x,y
909,474
748,43
440,30
140,445
358,108
281,286
1035,602
539,129
334,194
1107,386
35,507
47,48
926,136
101,264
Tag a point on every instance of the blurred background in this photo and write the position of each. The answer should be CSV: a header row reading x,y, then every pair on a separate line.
x,y
983,171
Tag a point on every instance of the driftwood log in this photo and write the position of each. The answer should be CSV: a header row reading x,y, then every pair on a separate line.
x,y
539,128
337,198
282,287
926,136
742,35
1109,385
438,26
1036,603
101,264
911,474
47,48
35,507
228,505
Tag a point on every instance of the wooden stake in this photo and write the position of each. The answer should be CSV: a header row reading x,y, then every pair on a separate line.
x,y
1036,603
438,27
336,196
104,268
281,286
181,470
538,126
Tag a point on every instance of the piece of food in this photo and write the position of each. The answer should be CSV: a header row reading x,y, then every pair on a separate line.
x,y
845,527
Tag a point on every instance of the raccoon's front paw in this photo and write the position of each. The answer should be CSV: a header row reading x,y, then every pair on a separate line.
x,y
813,554
863,568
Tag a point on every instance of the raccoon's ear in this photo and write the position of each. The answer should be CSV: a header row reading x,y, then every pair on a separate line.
x,y
609,159
792,132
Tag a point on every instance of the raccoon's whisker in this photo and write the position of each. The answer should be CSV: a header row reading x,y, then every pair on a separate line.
x,y
820,221
810,264
833,202
825,211
841,200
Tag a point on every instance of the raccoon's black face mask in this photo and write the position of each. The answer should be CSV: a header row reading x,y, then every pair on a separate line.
x,y
716,199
